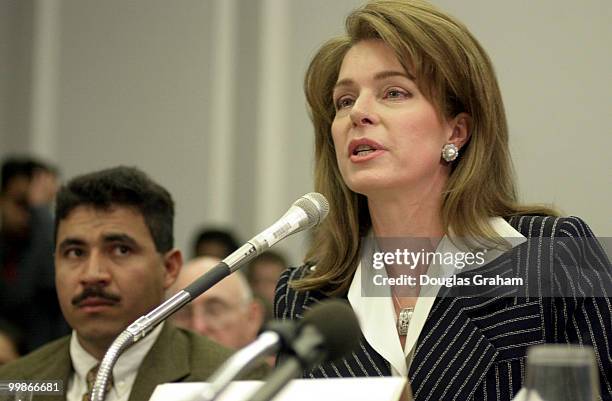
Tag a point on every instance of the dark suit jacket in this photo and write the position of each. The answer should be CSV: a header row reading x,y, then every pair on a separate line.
x,y
177,356
474,347
29,300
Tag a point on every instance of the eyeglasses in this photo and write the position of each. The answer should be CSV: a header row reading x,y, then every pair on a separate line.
x,y
216,313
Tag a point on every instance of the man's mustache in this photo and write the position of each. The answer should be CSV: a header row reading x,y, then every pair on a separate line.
x,y
97,292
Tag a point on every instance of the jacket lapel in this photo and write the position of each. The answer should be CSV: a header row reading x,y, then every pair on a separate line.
x,y
453,355
166,362
59,368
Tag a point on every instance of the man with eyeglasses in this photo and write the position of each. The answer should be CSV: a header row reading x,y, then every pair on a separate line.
x,y
226,313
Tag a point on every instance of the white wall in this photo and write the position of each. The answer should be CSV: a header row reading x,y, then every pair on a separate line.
x,y
15,72
135,86
553,62
134,89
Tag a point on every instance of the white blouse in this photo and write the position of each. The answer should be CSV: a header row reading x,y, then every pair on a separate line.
x,y
377,314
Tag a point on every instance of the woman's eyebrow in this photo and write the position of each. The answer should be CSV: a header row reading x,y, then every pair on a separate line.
x,y
378,76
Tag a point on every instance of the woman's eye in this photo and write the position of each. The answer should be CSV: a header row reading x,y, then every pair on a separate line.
x,y
395,93
344,102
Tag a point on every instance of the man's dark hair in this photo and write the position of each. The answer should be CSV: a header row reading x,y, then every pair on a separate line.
x,y
21,166
220,236
124,186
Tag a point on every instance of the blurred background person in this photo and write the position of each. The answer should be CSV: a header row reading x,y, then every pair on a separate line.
x,y
263,273
27,287
215,242
10,339
226,313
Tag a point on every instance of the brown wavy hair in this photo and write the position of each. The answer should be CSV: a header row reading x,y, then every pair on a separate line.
x,y
455,74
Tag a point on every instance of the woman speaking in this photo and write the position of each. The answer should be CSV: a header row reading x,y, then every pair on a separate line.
x,y
412,143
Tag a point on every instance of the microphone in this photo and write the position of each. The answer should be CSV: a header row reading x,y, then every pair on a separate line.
x,y
304,213
328,332
308,211
277,335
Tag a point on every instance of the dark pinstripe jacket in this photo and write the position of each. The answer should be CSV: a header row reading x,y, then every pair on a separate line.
x,y
474,348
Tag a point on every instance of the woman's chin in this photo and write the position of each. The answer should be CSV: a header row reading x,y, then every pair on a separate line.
x,y
369,187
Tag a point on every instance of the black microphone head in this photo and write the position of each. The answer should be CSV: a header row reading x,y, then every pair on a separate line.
x,y
337,324
315,206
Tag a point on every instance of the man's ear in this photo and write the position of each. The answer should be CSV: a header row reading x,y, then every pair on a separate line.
x,y
461,126
257,314
173,261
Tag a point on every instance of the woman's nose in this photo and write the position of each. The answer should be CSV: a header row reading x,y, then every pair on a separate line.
x,y
362,113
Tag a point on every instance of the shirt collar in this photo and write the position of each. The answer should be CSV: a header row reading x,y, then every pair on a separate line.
x,y
127,365
378,312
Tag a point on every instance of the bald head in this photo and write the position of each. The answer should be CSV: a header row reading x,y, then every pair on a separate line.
x,y
226,312
235,283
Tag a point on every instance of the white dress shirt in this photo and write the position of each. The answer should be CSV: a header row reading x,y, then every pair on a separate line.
x,y
377,314
124,371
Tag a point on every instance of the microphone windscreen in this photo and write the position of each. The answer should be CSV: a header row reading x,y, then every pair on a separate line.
x,y
337,323
315,206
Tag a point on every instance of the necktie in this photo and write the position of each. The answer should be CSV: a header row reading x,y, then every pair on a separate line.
x,y
91,379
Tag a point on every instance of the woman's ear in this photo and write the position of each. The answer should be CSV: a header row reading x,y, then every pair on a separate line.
x,y
461,126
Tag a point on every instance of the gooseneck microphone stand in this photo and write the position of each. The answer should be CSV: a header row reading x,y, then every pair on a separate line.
x,y
145,324
308,211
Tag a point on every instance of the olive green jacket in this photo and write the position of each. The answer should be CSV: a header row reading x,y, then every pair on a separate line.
x,y
177,356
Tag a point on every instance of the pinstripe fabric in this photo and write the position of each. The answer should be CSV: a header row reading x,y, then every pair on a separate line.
x,y
474,348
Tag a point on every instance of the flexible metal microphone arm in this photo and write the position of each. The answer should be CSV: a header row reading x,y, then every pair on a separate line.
x,y
145,324
134,332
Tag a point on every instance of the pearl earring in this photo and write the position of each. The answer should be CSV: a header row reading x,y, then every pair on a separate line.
x,y
450,152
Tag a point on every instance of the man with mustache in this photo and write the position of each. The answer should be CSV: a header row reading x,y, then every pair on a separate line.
x,y
114,259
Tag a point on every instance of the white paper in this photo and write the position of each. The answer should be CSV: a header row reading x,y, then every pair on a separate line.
x,y
348,389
